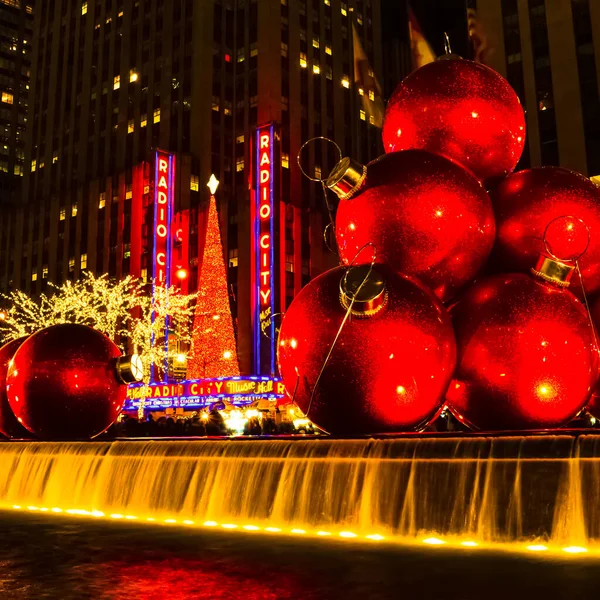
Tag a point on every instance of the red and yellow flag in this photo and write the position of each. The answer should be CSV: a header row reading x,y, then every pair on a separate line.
x,y
421,50
365,80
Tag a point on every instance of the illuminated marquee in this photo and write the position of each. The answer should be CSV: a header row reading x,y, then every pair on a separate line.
x,y
164,175
266,181
238,390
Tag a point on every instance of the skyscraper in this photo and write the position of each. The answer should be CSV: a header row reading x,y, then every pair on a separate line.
x,y
16,29
549,50
113,80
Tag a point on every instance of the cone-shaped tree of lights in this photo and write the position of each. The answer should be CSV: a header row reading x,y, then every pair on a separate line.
x,y
213,352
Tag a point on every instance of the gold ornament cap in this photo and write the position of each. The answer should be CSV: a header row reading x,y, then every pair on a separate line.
x,y
346,178
366,287
553,271
130,368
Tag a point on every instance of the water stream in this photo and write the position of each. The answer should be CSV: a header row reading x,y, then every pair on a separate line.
x,y
493,489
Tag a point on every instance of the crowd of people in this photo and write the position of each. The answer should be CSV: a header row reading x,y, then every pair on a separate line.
x,y
200,425
209,424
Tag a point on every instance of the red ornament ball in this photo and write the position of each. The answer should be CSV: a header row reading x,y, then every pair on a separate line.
x,y
390,366
527,202
593,406
526,355
425,215
9,426
567,238
461,109
63,383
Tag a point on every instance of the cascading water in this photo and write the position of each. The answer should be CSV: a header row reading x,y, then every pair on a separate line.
x,y
490,489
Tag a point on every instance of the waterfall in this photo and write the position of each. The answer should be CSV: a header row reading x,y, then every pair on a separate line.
x,y
490,489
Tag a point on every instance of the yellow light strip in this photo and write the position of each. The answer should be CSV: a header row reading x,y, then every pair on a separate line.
x,y
451,542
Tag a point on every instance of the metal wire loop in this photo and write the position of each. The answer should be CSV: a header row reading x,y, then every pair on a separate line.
x,y
373,260
329,233
314,139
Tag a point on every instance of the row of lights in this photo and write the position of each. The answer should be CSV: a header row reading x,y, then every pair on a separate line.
x,y
376,537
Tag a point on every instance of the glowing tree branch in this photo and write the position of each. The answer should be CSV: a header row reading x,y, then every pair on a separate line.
x,y
120,310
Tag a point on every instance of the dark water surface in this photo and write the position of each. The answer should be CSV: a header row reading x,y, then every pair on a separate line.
x,y
72,558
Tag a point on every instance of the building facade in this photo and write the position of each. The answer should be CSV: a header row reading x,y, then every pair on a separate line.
x,y
16,30
114,80
549,50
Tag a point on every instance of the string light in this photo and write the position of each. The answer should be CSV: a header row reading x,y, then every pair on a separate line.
x,y
118,309
213,344
349,535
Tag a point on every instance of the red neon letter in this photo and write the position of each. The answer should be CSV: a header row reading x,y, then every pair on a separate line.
x,y
162,165
265,140
265,241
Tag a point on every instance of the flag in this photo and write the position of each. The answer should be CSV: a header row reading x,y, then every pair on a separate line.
x,y
367,83
479,42
421,50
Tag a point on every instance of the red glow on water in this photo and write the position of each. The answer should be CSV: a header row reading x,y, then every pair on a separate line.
x,y
190,578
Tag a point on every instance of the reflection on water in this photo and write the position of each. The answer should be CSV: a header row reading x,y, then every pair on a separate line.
x,y
73,559
500,489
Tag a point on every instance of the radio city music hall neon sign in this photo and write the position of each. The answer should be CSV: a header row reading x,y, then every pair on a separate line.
x,y
162,216
164,175
264,244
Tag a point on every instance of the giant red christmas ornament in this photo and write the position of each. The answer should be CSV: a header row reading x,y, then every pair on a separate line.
x,y
526,204
424,214
593,405
69,381
391,364
526,352
461,109
9,426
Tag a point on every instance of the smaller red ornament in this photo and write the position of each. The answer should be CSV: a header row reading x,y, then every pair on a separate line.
x,y
566,238
9,425
527,356
69,381
424,215
528,205
389,366
461,109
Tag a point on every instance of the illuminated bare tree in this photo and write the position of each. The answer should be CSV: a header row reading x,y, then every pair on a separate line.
x,y
120,310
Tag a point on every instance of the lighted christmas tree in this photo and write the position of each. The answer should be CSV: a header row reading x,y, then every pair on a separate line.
x,y
213,352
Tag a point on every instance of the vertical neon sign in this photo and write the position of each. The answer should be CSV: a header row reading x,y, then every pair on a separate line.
x,y
164,175
264,250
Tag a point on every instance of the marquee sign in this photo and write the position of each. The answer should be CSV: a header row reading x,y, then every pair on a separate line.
x,y
266,177
164,176
200,392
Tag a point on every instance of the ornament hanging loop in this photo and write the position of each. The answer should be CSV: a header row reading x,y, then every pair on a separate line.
x,y
299,157
329,238
447,47
344,283
321,180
